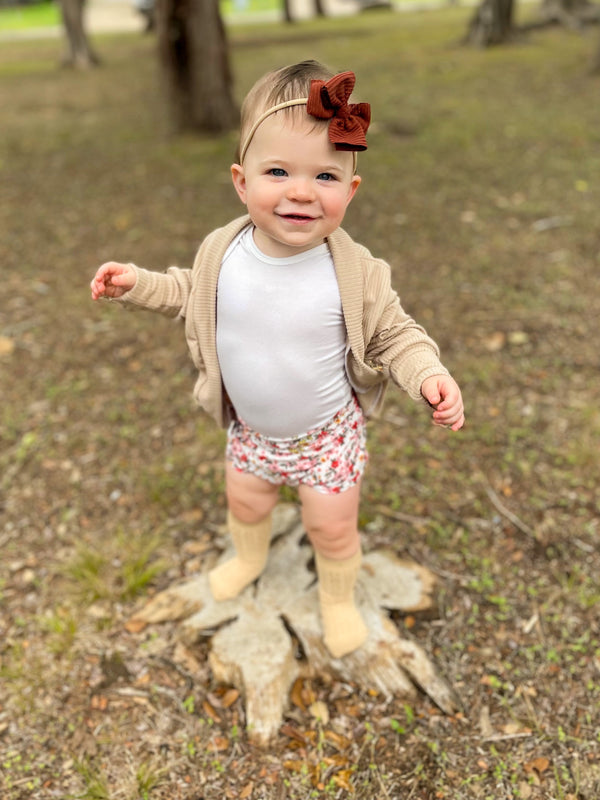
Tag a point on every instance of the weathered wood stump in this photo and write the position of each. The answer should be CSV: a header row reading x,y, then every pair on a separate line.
x,y
253,647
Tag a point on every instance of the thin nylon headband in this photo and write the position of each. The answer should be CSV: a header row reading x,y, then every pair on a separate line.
x,y
300,101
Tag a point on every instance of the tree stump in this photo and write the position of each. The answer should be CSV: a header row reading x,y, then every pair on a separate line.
x,y
258,635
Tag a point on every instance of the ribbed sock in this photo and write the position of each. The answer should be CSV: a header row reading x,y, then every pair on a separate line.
x,y
344,629
251,542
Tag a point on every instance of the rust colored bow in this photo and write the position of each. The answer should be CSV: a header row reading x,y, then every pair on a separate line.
x,y
349,121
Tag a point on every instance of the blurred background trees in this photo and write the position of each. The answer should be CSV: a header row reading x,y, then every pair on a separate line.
x,y
194,56
79,51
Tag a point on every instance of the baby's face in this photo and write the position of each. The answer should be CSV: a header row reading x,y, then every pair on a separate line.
x,y
295,184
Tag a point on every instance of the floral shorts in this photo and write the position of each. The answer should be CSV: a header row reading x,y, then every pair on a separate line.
x,y
330,459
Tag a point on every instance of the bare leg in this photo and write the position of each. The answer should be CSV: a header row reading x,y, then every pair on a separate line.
x,y
251,501
331,521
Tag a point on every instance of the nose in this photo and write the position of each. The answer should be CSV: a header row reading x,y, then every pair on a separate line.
x,y
300,189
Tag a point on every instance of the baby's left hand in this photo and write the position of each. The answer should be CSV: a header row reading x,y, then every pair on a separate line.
x,y
443,394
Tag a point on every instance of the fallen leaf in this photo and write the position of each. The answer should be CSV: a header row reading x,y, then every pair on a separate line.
x,y
229,698
293,733
539,765
495,342
518,338
7,346
342,779
296,694
319,711
210,711
135,625
99,702
220,743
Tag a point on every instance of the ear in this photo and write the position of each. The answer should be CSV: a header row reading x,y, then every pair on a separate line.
x,y
354,184
239,181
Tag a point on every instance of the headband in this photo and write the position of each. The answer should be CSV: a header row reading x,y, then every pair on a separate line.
x,y
328,100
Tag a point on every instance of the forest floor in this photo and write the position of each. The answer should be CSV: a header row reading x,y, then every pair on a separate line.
x,y
481,187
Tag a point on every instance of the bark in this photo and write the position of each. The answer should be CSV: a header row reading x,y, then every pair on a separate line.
x,y
572,14
287,11
596,61
79,53
492,23
195,62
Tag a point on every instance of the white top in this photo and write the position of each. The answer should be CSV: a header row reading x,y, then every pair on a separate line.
x,y
281,338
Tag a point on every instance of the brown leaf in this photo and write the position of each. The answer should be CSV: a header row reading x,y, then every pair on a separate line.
x,y
135,625
538,765
210,711
342,779
7,346
296,694
337,740
229,698
293,733
294,765
246,791
99,702
220,743
319,711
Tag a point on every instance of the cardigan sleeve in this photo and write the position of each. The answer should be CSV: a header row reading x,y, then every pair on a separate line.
x,y
397,345
165,292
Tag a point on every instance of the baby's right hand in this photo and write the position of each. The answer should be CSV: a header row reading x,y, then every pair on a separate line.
x,y
113,280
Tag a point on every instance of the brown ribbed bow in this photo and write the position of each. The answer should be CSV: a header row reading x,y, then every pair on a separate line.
x,y
349,121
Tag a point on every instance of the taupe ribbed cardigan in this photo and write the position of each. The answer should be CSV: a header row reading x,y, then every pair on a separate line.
x,y
383,342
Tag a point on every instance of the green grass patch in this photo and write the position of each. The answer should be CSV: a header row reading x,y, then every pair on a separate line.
x,y
36,15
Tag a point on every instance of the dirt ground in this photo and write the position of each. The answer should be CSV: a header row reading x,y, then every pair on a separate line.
x,y
481,188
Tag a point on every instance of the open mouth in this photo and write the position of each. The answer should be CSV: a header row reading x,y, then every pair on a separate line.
x,y
296,217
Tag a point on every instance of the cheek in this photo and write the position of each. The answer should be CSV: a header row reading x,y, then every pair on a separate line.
x,y
260,197
337,203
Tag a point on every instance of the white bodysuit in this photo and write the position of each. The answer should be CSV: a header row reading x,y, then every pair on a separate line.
x,y
281,338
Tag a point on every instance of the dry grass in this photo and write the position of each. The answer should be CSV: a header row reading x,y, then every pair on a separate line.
x,y
481,187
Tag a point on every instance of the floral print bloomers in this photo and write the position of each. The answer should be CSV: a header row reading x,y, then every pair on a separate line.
x,y
330,459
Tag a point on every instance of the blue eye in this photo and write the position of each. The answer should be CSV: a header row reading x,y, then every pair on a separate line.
x,y
277,172
325,176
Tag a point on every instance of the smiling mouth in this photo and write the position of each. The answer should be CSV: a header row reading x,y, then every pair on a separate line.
x,y
297,217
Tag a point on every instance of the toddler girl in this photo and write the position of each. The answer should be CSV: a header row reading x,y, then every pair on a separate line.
x,y
295,332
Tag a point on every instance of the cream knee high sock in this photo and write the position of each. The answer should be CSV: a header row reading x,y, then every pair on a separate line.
x,y
251,542
344,629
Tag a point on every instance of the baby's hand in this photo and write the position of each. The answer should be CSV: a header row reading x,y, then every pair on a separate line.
x,y
113,280
443,394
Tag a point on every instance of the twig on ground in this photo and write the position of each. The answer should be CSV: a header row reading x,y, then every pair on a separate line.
x,y
398,515
501,508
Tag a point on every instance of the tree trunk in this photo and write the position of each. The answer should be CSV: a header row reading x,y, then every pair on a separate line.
x,y
492,23
79,53
287,11
195,63
572,14
596,61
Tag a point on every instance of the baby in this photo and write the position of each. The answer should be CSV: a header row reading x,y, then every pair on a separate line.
x,y
295,331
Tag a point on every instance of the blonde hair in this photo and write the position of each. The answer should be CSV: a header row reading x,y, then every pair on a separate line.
x,y
280,86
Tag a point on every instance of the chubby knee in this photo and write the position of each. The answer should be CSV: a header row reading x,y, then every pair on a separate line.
x,y
336,539
249,510
249,499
